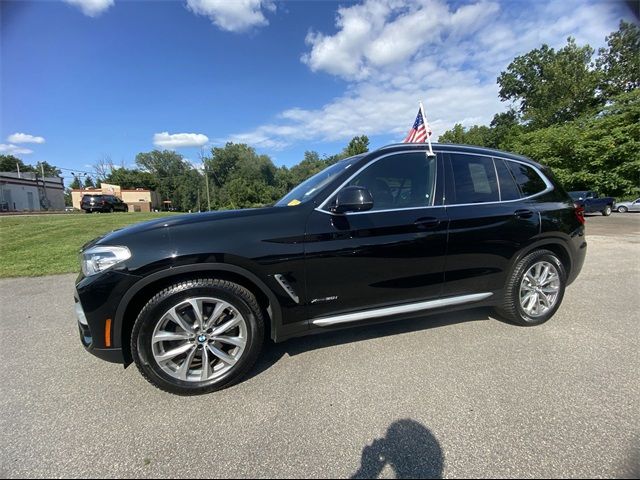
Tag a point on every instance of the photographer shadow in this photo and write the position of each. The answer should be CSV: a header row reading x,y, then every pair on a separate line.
x,y
408,447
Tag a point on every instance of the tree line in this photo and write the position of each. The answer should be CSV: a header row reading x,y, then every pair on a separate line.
x,y
573,111
230,177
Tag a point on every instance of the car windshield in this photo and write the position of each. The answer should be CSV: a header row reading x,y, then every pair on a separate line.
x,y
310,187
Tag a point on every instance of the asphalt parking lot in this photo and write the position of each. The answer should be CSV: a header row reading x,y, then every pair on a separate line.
x,y
456,395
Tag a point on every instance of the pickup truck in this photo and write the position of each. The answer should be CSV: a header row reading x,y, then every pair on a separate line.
x,y
592,203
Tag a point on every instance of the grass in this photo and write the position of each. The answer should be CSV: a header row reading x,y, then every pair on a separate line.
x,y
48,244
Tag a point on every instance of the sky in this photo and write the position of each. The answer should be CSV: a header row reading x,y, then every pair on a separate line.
x,y
84,80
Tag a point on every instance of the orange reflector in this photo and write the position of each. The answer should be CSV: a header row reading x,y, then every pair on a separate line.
x,y
107,333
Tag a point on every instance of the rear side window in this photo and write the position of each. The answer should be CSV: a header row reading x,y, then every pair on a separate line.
x,y
474,179
508,187
527,178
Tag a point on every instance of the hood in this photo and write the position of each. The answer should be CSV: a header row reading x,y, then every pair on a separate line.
x,y
120,235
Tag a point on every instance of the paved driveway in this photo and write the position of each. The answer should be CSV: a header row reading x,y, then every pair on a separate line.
x,y
458,395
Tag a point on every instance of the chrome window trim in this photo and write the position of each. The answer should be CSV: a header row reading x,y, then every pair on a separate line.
x,y
399,309
546,181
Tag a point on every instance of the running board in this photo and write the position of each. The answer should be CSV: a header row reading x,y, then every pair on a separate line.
x,y
408,308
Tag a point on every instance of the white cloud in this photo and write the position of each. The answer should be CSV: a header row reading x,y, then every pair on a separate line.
x,y
14,149
393,53
233,15
179,140
24,138
92,8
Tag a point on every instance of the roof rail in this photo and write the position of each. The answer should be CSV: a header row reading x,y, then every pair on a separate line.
x,y
401,144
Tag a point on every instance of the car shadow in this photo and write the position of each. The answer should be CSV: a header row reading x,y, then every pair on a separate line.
x,y
273,352
408,447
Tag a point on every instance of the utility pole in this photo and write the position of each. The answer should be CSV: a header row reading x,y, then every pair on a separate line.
x,y
206,179
44,187
18,167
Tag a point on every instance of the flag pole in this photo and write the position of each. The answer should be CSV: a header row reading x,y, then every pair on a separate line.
x,y
424,118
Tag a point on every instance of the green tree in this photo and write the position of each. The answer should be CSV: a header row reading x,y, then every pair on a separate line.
x,y
550,86
600,153
177,180
356,146
75,184
476,135
620,61
504,127
49,170
131,178
10,163
89,183
240,178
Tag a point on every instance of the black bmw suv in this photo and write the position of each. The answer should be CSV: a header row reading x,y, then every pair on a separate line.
x,y
387,235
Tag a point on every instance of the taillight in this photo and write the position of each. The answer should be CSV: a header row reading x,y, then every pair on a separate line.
x,y
579,209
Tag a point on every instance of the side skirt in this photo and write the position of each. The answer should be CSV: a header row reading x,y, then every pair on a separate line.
x,y
399,309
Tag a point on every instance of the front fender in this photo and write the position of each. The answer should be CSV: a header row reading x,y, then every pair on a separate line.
x,y
119,320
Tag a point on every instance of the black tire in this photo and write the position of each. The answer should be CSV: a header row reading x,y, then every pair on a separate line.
x,y
511,309
236,295
607,211
622,209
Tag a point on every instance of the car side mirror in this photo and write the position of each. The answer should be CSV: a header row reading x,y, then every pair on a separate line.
x,y
353,199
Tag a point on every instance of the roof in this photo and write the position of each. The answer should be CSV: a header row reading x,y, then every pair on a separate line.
x,y
456,147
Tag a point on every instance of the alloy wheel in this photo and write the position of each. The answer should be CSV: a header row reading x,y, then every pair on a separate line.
x,y
539,289
199,339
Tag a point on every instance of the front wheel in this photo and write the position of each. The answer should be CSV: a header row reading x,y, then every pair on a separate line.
x,y
607,211
198,336
622,209
534,290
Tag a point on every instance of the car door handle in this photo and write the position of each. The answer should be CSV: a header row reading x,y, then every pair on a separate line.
x,y
426,223
523,214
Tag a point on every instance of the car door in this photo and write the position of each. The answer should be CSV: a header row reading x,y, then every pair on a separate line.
x,y
391,254
490,221
635,206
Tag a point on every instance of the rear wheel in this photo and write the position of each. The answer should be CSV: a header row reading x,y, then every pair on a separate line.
x,y
535,289
622,209
198,336
607,211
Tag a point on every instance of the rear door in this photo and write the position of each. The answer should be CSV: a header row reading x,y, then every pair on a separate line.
x,y
490,221
389,255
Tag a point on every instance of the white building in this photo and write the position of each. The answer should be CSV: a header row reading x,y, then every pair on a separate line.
x,y
21,192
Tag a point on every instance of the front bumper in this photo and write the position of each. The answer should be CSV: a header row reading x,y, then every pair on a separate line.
x,y
96,301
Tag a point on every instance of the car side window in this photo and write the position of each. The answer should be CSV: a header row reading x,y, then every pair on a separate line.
x,y
508,187
474,179
404,180
527,178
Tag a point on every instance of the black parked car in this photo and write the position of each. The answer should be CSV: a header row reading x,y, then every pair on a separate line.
x,y
103,203
387,235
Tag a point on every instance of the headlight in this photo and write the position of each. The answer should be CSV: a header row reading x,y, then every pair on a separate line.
x,y
98,259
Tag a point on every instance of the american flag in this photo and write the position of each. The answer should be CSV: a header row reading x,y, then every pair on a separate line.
x,y
419,132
